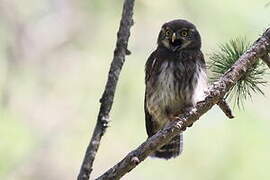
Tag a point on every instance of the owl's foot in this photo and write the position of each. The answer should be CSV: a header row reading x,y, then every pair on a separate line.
x,y
174,117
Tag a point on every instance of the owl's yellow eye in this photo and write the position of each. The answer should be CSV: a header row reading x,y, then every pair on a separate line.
x,y
184,33
168,33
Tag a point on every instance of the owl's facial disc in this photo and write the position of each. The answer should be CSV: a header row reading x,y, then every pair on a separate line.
x,y
176,39
179,34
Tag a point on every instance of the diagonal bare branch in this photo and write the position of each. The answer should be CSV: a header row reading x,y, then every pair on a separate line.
x,y
216,92
108,95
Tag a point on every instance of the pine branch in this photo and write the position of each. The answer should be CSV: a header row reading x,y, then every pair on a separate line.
x,y
252,79
108,95
224,106
266,59
216,92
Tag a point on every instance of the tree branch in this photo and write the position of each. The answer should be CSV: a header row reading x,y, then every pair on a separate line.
x,y
224,106
108,94
266,59
216,92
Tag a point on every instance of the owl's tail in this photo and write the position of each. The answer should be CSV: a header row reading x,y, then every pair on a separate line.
x,y
172,149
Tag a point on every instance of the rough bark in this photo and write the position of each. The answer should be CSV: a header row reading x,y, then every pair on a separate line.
x,y
217,91
108,95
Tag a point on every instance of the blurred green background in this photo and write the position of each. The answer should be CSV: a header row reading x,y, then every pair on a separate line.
x,y
54,59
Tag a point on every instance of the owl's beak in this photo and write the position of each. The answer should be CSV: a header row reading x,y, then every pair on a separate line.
x,y
173,37
176,43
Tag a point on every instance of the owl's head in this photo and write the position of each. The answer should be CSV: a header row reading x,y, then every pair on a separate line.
x,y
179,34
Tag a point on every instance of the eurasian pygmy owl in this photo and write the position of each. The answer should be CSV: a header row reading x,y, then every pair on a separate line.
x,y
175,80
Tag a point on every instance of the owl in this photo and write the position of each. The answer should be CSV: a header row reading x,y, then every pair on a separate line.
x,y
175,80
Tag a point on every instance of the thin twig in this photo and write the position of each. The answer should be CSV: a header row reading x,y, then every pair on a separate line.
x,y
266,59
107,98
224,106
216,91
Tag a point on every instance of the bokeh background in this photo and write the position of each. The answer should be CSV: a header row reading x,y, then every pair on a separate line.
x,y
54,59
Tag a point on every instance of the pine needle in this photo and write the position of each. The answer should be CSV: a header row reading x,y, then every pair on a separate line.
x,y
250,82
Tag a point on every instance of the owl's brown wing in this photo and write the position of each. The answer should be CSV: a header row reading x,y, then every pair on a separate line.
x,y
148,120
148,71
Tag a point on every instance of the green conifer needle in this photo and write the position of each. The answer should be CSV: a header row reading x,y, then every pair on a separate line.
x,y
251,81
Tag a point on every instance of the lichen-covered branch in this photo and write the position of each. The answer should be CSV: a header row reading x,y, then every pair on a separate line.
x,y
108,95
216,92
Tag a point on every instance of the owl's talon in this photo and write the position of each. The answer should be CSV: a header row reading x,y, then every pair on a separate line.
x,y
173,117
190,125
